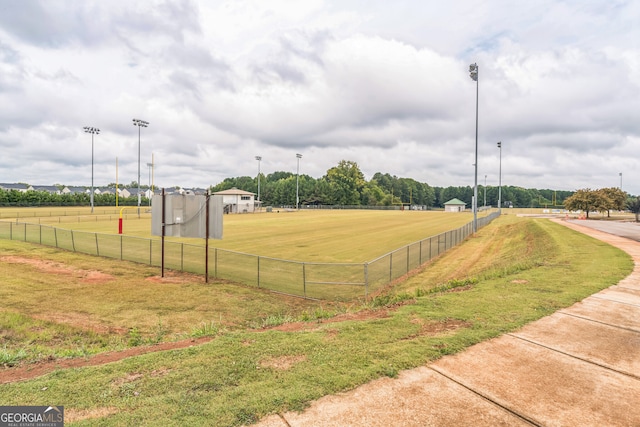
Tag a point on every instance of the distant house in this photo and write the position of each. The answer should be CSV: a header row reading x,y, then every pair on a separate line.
x,y
173,190
51,189
23,188
75,190
199,191
237,201
104,190
454,205
123,192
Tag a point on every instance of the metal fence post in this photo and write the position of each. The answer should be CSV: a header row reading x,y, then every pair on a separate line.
x,y
73,243
121,257
258,271
430,248
408,257
304,279
150,252
97,248
366,279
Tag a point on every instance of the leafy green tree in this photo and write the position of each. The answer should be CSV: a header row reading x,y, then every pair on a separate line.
x,y
372,194
586,200
318,194
615,198
277,176
346,182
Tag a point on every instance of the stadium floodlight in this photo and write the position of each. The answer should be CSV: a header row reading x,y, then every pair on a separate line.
x,y
473,72
258,158
620,181
140,124
298,156
92,131
500,180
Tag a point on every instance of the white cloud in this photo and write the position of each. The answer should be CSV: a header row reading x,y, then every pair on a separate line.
x,y
383,84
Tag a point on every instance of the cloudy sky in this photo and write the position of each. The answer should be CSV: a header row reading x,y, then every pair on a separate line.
x,y
383,83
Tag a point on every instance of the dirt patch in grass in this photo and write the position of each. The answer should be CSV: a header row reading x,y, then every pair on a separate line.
x,y
431,328
25,372
80,320
437,328
74,415
176,277
282,363
28,371
52,267
129,378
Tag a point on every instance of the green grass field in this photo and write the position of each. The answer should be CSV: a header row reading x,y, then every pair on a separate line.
x,y
307,235
510,273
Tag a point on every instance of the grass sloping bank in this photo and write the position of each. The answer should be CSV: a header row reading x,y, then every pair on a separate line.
x,y
511,273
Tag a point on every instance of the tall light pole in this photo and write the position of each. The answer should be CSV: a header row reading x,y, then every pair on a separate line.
x,y
140,124
620,181
92,131
299,156
485,191
500,180
258,158
473,73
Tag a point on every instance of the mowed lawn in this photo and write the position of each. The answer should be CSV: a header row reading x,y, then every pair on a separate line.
x,y
515,270
306,235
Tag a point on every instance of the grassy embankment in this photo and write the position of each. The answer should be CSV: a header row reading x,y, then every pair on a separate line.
x,y
512,272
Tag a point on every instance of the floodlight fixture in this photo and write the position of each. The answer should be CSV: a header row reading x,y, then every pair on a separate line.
x,y
473,72
92,131
140,124
620,181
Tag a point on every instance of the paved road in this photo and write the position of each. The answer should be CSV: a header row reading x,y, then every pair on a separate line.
x,y
630,230
577,367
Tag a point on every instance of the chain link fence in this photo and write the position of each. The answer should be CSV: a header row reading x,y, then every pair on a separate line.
x,y
329,281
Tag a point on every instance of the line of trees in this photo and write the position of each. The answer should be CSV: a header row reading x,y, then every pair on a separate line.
x,y
44,198
343,184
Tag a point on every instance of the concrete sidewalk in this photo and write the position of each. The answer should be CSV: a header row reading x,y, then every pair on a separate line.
x,y
577,367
